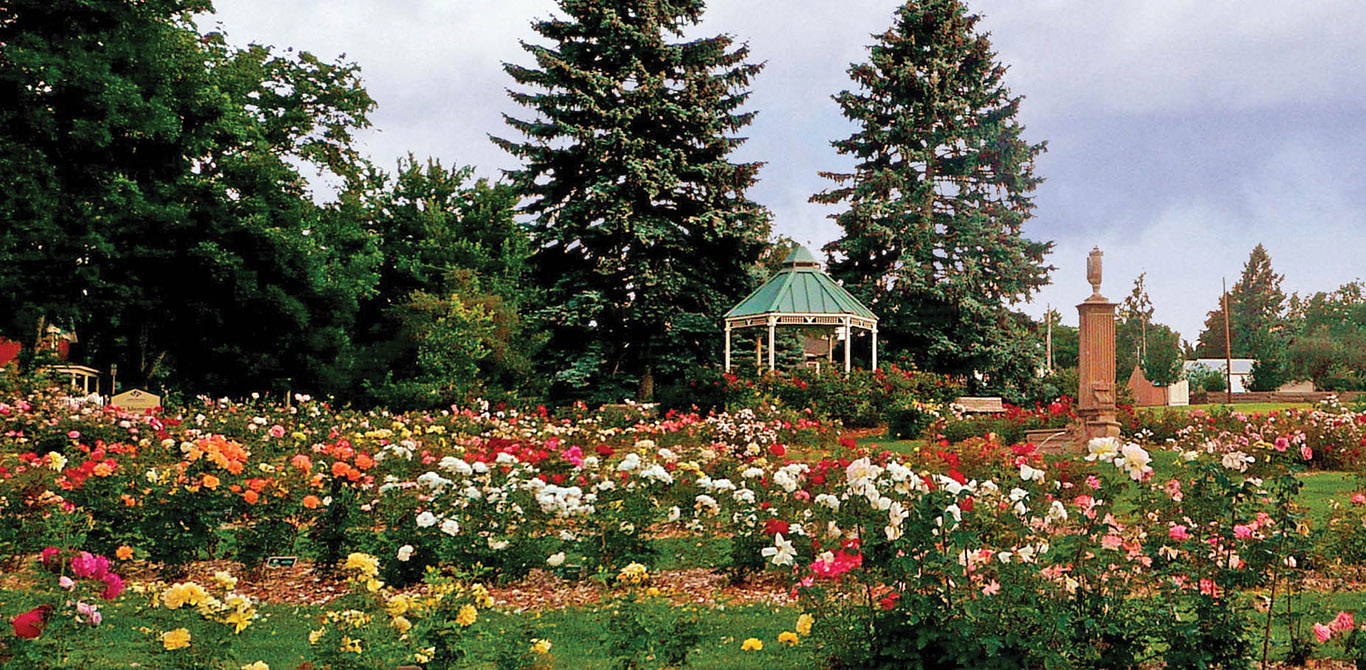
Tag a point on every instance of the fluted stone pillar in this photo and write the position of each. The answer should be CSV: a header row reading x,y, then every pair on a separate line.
x,y
1096,363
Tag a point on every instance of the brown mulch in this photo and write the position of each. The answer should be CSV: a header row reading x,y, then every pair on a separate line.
x,y
856,433
301,584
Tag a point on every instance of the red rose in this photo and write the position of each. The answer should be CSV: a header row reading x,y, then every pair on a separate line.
x,y
775,526
30,624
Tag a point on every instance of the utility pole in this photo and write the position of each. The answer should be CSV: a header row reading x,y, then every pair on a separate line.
x,y
1228,349
1048,338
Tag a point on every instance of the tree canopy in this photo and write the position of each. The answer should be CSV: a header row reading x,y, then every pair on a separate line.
x,y
934,210
150,181
642,231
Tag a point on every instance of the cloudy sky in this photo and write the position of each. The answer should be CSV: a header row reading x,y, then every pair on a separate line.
x,y
1181,132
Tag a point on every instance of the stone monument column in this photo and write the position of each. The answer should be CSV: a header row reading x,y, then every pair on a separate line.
x,y
1096,363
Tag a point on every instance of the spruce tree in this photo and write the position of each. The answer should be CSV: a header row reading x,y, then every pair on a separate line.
x,y
1256,313
642,230
941,189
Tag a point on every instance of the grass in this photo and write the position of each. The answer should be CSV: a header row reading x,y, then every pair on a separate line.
x,y
1245,407
280,637
578,635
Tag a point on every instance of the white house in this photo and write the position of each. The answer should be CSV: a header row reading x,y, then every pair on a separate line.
x,y
1242,367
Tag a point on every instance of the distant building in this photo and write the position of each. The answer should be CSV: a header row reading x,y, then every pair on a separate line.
x,y
1148,394
1242,368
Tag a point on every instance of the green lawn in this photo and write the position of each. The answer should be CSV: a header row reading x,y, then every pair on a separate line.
x,y
280,637
1245,408
577,634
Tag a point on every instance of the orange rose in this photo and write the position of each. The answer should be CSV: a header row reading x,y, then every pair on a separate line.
x,y
251,497
312,502
339,468
124,552
364,462
210,482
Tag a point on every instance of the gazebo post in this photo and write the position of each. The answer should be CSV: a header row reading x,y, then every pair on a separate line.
x,y
848,344
728,346
874,347
772,326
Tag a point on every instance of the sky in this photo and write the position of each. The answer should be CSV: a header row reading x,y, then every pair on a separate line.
x,y
1181,133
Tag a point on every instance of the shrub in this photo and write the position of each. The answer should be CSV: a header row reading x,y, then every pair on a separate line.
x,y
908,419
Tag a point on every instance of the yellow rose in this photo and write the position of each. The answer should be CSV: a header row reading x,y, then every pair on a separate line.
x,y
540,646
259,665
467,615
224,580
175,639
402,624
752,644
804,623
788,637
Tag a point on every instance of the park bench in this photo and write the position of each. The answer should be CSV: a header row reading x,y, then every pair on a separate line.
x,y
984,405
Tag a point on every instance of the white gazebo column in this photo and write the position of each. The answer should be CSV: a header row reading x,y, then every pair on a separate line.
x,y
772,327
874,347
728,346
848,344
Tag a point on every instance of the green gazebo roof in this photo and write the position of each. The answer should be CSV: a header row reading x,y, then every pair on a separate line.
x,y
800,288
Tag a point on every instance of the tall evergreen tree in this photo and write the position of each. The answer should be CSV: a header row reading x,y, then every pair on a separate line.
x,y
941,189
1256,313
642,230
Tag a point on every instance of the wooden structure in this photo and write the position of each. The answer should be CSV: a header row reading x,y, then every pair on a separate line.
x,y
801,294
984,405
1148,394
82,377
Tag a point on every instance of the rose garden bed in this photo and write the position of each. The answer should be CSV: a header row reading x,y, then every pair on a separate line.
x,y
434,537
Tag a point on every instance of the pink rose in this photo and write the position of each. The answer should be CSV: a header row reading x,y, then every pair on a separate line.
x,y
1343,622
113,586
1322,632
1178,532
1359,498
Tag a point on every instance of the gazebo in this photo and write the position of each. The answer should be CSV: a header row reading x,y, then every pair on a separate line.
x,y
801,294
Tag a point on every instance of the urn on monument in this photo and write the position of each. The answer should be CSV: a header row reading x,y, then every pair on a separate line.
x,y
1093,264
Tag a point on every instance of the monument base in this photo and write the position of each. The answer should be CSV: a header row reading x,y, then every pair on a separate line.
x,y
1095,423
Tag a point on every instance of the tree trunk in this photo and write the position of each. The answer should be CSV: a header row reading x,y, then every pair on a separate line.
x,y
646,391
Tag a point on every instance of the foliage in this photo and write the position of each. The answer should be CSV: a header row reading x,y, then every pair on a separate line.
x,y
1139,341
932,233
153,182
858,399
1329,339
445,320
908,419
1206,379
1256,306
643,632
641,226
